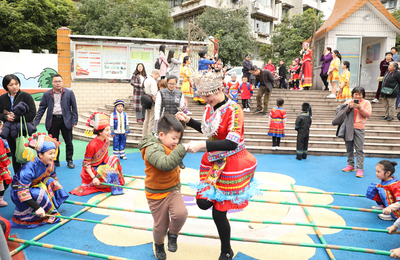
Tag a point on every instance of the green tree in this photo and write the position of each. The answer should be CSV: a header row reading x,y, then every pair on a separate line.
x,y
396,15
32,24
288,36
232,29
125,18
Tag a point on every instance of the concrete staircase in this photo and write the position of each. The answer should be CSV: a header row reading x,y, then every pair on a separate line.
x,y
382,138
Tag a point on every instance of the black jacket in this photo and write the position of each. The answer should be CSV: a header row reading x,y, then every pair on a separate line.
x,y
265,78
391,80
5,105
282,71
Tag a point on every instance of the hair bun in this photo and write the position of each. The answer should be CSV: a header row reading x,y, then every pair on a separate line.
x,y
393,163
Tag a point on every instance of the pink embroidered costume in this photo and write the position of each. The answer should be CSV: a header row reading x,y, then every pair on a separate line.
x,y
106,168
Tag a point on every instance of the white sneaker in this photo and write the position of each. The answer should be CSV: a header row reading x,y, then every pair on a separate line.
x,y
273,148
378,207
276,148
386,217
331,96
188,113
375,100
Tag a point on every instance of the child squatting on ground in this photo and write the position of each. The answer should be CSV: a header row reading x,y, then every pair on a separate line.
x,y
276,123
162,154
119,129
302,126
387,193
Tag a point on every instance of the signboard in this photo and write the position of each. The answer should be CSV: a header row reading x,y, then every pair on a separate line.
x,y
88,61
115,62
142,55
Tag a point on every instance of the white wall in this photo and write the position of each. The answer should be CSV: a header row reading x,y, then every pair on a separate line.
x,y
27,63
370,72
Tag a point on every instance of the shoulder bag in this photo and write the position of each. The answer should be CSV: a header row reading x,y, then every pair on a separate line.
x,y
23,154
146,99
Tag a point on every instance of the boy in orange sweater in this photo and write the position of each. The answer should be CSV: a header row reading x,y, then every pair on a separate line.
x,y
162,154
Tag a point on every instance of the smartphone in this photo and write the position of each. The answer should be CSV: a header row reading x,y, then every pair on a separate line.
x,y
356,101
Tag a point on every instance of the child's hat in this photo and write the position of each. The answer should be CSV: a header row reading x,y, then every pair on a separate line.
x,y
233,75
42,142
119,102
297,60
97,121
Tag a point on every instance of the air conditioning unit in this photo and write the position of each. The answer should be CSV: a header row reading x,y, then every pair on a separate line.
x,y
257,5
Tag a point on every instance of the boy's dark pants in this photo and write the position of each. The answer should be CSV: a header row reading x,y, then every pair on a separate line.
x,y
302,144
169,214
276,141
245,103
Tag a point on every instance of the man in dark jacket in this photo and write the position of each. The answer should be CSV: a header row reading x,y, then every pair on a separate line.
x,y
247,65
282,75
266,80
62,114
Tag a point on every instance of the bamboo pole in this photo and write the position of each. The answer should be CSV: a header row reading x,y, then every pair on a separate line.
x,y
317,231
20,248
239,219
318,206
272,190
66,249
263,241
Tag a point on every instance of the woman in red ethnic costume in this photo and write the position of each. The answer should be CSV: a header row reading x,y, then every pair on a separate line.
x,y
227,168
97,166
306,69
5,175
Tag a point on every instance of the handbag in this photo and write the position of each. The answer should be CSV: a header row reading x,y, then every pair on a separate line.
x,y
146,100
389,91
23,154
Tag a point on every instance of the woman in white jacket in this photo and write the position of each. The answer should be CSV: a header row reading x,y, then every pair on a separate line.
x,y
174,65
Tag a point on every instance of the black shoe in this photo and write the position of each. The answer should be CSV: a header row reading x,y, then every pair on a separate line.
x,y
57,164
326,89
264,114
160,252
258,111
226,256
172,245
389,119
304,156
71,165
384,118
182,166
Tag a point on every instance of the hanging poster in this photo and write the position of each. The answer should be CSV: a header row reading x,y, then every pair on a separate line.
x,y
377,49
370,54
115,61
142,55
88,61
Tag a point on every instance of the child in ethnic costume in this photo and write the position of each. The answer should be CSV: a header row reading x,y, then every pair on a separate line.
x,y
97,166
233,88
246,90
387,193
302,126
306,69
276,123
333,72
162,155
35,187
187,84
294,71
227,168
344,92
5,175
119,129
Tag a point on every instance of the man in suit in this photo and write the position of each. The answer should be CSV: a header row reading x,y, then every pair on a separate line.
x,y
62,115
266,80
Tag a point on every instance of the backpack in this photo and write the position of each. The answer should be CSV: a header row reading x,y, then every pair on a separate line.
x,y
248,87
157,65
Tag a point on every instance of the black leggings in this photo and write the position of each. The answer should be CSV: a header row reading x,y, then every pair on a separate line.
x,y
294,84
222,223
245,103
276,141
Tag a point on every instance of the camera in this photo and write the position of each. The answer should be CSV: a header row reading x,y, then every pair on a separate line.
x,y
356,101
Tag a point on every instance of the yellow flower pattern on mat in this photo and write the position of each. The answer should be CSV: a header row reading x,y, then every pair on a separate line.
x,y
210,248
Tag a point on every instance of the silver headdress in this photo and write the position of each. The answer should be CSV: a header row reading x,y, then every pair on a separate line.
x,y
207,83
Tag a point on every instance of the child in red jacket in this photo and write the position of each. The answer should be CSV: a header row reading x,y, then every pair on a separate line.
x,y
247,92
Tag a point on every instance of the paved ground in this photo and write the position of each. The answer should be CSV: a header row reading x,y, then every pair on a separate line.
x,y
321,173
